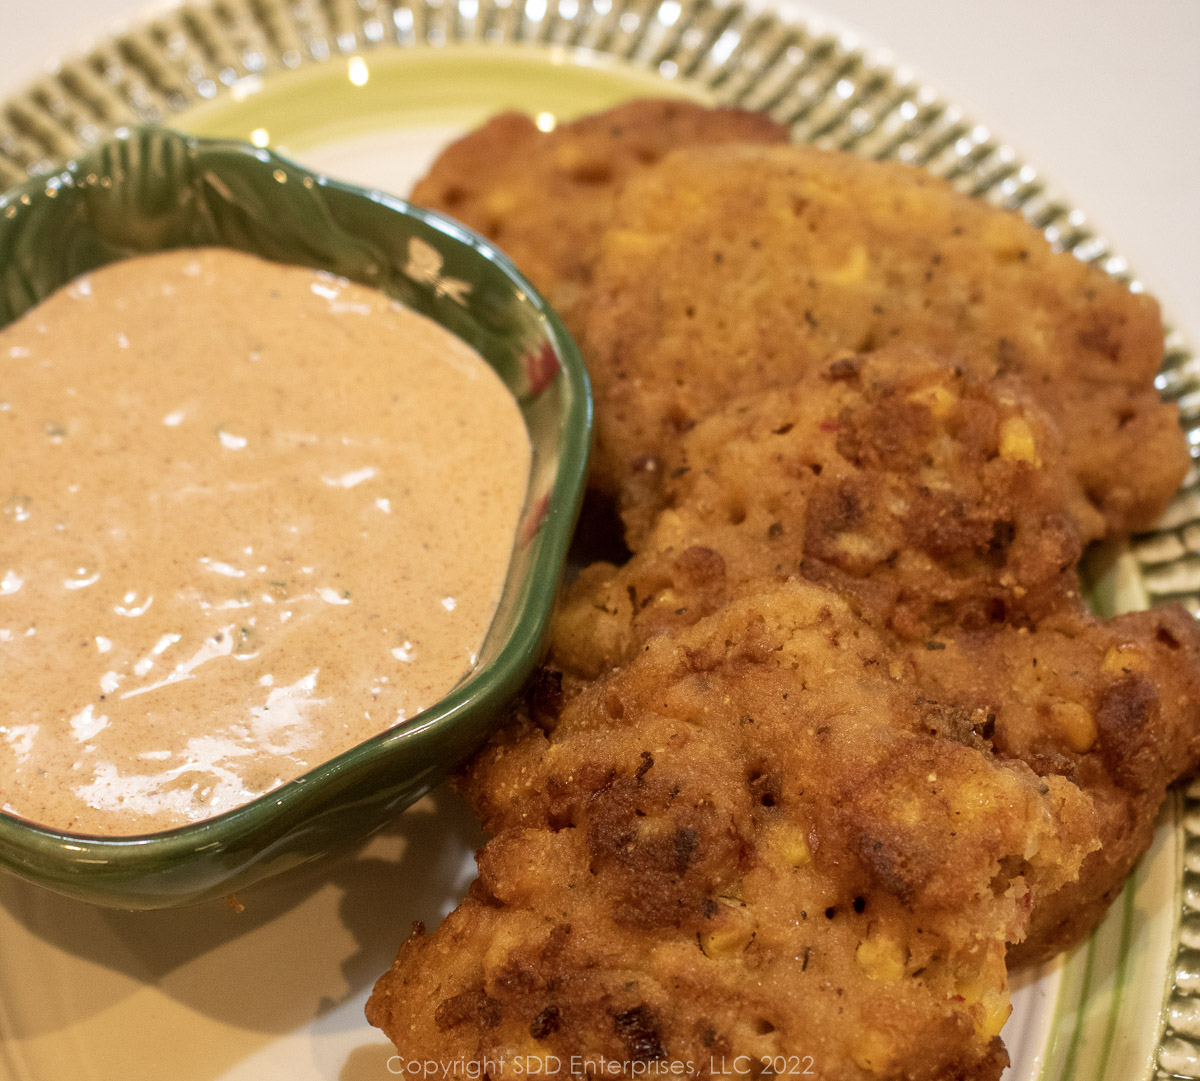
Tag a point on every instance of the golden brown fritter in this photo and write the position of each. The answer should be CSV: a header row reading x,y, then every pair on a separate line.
x,y
733,269
1113,706
545,198
754,840
864,744
928,496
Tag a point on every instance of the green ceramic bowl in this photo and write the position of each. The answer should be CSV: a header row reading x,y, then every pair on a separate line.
x,y
151,189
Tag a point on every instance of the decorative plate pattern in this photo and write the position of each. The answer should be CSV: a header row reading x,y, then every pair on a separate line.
x,y
186,61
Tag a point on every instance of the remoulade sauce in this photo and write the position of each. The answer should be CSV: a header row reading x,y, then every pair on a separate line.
x,y
250,515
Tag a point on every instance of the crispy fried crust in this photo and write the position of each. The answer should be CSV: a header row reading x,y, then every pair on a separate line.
x,y
753,840
930,497
1111,706
863,747
545,198
733,269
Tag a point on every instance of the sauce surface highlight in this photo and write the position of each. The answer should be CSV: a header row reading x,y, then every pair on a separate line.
x,y
250,515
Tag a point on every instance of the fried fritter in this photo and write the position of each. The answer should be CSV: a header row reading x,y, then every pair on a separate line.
x,y
754,840
545,198
937,504
733,269
926,495
1113,706
840,743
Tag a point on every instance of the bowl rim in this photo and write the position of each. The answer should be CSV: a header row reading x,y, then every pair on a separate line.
x,y
490,685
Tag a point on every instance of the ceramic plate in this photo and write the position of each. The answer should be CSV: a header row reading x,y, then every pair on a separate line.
x,y
368,90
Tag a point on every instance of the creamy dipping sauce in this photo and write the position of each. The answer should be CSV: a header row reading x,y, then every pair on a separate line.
x,y
251,516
